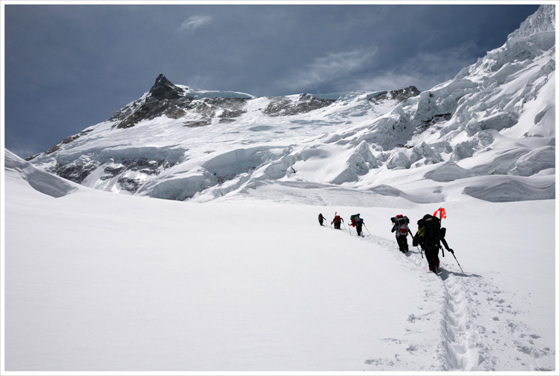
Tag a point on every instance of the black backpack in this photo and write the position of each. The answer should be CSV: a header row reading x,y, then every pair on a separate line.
x,y
429,231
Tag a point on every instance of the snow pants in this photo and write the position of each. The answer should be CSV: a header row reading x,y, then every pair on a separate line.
x,y
403,243
433,258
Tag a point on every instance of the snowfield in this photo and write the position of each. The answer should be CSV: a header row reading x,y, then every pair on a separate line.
x,y
102,282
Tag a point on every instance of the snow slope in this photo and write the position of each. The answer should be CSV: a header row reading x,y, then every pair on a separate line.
x,y
103,282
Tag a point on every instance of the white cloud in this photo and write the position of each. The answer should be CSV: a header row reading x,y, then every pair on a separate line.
x,y
194,22
329,68
386,80
342,62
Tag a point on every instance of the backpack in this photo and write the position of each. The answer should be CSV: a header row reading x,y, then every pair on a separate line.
x,y
354,219
428,235
401,224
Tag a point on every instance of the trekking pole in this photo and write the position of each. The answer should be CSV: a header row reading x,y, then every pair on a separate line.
x,y
367,229
453,253
421,253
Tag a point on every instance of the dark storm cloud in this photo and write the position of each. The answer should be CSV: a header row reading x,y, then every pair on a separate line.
x,y
71,66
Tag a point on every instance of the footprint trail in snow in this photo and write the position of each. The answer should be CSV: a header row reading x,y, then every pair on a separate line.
x,y
477,324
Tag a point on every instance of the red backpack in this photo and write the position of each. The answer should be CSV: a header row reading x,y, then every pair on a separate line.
x,y
402,224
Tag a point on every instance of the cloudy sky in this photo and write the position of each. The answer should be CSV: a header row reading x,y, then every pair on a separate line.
x,y
70,66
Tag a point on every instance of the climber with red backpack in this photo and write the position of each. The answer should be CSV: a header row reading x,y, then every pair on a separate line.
x,y
401,230
337,219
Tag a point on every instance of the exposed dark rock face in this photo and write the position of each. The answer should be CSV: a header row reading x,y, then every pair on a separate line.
x,y
67,140
232,108
227,108
165,98
164,89
128,184
75,172
144,165
79,171
126,111
435,119
400,95
111,171
282,106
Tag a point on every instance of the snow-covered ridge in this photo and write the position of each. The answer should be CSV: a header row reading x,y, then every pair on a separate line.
x,y
543,20
41,181
495,120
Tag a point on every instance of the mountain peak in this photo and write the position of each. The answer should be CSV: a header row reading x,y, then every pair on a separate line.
x,y
165,89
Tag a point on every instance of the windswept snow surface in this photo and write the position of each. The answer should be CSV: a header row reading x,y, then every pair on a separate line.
x,y
96,281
